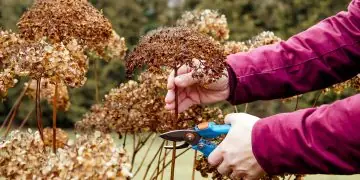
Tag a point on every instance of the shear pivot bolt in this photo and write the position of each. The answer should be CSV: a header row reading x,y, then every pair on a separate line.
x,y
190,136
201,145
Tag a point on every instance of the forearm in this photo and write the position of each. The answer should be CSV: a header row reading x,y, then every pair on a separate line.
x,y
322,140
323,55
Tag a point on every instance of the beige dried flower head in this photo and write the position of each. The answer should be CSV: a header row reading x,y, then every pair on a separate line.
x,y
233,47
116,47
176,46
206,21
61,137
65,20
9,43
24,156
48,92
264,38
139,107
56,62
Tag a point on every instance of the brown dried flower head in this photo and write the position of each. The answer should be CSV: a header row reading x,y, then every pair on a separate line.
x,y
9,43
48,92
55,62
61,137
24,156
139,107
206,21
65,20
116,47
176,46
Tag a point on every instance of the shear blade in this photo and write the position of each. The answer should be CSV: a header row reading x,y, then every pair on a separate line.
x,y
181,146
177,135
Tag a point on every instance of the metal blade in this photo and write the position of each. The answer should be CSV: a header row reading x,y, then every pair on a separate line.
x,y
177,135
181,146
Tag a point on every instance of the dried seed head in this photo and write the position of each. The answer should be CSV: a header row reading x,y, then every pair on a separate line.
x,y
48,92
176,46
61,137
65,20
264,38
233,47
139,107
115,48
207,21
94,156
9,43
65,62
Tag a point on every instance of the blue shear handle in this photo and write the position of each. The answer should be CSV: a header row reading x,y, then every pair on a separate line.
x,y
213,130
205,147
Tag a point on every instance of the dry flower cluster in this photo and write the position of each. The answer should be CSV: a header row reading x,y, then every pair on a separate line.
x,y
64,20
55,62
353,83
9,42
176,46
48,93
23,155
139,107
264,38
206,21
233,47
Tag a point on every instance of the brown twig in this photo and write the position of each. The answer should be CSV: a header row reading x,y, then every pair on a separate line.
x,y
152,160
194,166
96,81
168,163
54,116
10,117
38,109
317,98
159,161
163,160
297,103
146,153
26,118
124,140
236,109
175,125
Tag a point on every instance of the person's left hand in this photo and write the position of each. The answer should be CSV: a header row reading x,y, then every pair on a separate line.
x,y
234,155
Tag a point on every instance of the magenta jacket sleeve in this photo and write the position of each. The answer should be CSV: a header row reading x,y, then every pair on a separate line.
x,y
323,140
325,54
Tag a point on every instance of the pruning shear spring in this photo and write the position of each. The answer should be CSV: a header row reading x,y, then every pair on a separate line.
x,y
197,137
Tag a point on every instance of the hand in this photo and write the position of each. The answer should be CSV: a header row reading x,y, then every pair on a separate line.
x,y
234,154
191,92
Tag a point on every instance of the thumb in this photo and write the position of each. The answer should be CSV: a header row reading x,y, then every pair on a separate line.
x,y
231,118
216,157
186,80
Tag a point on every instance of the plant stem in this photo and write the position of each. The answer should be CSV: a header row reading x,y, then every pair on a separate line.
x,y
27,118
38,109
96,81
159,161
168,163
193,171
152,160
54,116
297,103
124,140
134,152
236,109
146,153
164,159
246,107
10,117
175,126
317,98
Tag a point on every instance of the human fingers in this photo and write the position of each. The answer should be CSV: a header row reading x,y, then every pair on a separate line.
x,y
186,80
216,156
185,104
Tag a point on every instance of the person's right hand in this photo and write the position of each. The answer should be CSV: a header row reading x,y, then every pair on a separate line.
x,y
191,91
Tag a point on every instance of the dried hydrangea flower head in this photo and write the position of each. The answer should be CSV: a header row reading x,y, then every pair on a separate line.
x,y
9,43
176,46
48,92
64,62
206,21
233,47
116,47
139,107
64,20
264,38
94,156
61,137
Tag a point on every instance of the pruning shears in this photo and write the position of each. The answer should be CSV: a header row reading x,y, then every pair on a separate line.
x,y
197,137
